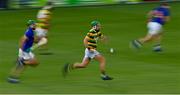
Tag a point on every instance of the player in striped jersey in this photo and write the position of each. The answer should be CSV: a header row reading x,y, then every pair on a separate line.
x,y
43,24
90,43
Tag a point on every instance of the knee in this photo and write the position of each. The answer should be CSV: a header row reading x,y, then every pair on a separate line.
x,y
102,61
44,40
34,63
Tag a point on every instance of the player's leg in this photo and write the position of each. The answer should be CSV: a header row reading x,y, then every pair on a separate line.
x,y
149,37
146,39
102,65
23,61
83,64
102,62
19,69
29,59
87,58
41,35
68,67
32,62
138,43
42,41
157,39
153,29
15,73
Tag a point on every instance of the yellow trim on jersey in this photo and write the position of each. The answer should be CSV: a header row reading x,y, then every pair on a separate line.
x,y
43,22
89,38
47,12
92,37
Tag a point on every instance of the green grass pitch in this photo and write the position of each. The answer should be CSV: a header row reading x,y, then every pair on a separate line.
x,y
134,72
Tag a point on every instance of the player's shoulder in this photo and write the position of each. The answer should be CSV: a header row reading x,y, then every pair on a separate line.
x,y
29,31
44,11
92,31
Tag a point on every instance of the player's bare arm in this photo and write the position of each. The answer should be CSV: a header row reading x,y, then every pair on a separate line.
x,y
22,41
85,42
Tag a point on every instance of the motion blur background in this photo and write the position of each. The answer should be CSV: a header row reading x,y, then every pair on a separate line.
x,y
141,72
5,4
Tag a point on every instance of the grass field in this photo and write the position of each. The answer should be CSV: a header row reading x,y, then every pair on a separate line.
x,y
134,72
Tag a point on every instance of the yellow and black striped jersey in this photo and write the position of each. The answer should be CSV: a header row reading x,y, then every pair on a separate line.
x,y
93,37
43,18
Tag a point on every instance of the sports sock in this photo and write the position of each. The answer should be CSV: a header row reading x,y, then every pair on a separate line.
x,y
138,43
157,47
103,74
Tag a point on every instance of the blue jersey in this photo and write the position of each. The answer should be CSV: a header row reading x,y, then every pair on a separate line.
x,y
30,39
159,15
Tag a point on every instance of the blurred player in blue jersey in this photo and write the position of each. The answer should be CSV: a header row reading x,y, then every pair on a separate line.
x,y
156,20
25,56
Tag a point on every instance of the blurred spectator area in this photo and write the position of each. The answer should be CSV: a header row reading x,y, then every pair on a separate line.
x,y
24,2
17,4
151,0
4,3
